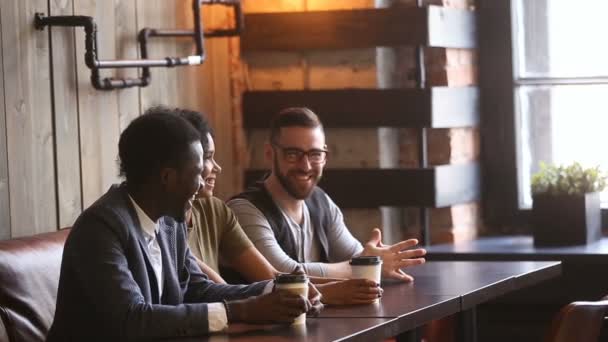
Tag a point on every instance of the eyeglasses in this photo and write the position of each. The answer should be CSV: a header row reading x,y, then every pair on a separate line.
x,y
294,155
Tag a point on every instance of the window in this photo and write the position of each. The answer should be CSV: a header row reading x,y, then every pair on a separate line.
x,y
544,88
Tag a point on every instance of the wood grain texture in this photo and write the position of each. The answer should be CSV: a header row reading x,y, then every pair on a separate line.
x,y
67,142
253,6
439,186
217,104
435,107
5,217
29,124
342,29
345,152
99,121
163,88
126,47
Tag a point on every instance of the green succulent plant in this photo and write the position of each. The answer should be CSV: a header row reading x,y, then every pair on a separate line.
x,y
572,180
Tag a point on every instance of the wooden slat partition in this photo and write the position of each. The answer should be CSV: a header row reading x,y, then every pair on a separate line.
x,y
437,107
5,217
439,186
29,124
67,142
342,29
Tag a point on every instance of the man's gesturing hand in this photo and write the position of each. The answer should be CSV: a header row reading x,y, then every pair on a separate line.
x,y
394,257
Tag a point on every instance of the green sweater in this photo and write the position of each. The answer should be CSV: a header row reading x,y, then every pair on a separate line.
x,y
215,236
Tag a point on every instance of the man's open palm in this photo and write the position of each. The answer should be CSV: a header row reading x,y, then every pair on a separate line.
x,y
394,257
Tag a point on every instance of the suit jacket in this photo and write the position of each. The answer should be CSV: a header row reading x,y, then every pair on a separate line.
x,y
107,288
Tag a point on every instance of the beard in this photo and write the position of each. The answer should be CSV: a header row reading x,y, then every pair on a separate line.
x,y
295,191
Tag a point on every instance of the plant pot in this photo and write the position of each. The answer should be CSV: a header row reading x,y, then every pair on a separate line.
x,y
560,220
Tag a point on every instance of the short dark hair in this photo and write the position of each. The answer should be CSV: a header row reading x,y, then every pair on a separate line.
x,y
200,122
158,138
293,117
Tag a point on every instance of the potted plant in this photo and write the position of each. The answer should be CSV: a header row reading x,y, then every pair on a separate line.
x,y
566,204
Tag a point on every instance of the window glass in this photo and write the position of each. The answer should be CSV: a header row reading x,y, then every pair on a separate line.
x,y
560,124
560,38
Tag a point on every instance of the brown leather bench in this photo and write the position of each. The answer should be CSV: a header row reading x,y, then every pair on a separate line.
x,y
29,275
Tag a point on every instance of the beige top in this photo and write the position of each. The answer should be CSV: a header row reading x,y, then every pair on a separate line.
x,y
216,235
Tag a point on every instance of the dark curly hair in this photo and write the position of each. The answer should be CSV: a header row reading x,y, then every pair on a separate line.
x,y
158,138
200,122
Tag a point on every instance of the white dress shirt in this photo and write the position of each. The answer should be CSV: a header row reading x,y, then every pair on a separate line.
x,y
216,312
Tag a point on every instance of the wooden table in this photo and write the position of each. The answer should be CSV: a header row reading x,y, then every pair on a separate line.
x,y
441,289
316,329
583,277
517,248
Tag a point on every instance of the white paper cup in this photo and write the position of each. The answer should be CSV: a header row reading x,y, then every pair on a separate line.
x,y
367,268
297,284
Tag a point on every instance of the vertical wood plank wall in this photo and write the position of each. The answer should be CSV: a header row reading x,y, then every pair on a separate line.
x,y
58,135
99,129
214,88
5,217
65,95
29,124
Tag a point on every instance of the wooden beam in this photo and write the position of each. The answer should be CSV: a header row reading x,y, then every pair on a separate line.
x,y
437,187
438,107
343,29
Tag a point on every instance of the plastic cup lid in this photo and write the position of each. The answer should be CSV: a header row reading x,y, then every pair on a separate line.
x,y
290,278
365,261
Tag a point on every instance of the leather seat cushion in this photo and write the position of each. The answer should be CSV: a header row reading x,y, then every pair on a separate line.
x,y
29,277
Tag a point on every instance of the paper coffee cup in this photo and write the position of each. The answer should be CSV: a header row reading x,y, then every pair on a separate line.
x,y
367,267
295,283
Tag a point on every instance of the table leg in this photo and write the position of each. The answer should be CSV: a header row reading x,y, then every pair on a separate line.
x,y
467,326
413,335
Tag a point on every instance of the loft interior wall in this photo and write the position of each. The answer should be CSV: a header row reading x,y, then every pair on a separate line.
x,y
364,148
59,136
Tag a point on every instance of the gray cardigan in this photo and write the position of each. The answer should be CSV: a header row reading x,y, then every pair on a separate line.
x,y
107,288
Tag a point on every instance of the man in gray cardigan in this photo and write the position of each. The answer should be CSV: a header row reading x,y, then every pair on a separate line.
x,y
127,272
293,222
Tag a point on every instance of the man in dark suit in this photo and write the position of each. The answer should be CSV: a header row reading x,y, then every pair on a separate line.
x,y
127,272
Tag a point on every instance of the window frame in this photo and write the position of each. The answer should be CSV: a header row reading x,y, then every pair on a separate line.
x,y
499,120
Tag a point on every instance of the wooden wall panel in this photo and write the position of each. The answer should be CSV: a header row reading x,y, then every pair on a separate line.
x,y
5,217
353,68
126,47
163,88
61,158
324,5
99,121
67,142
217,102
253,6
191,87
28,119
